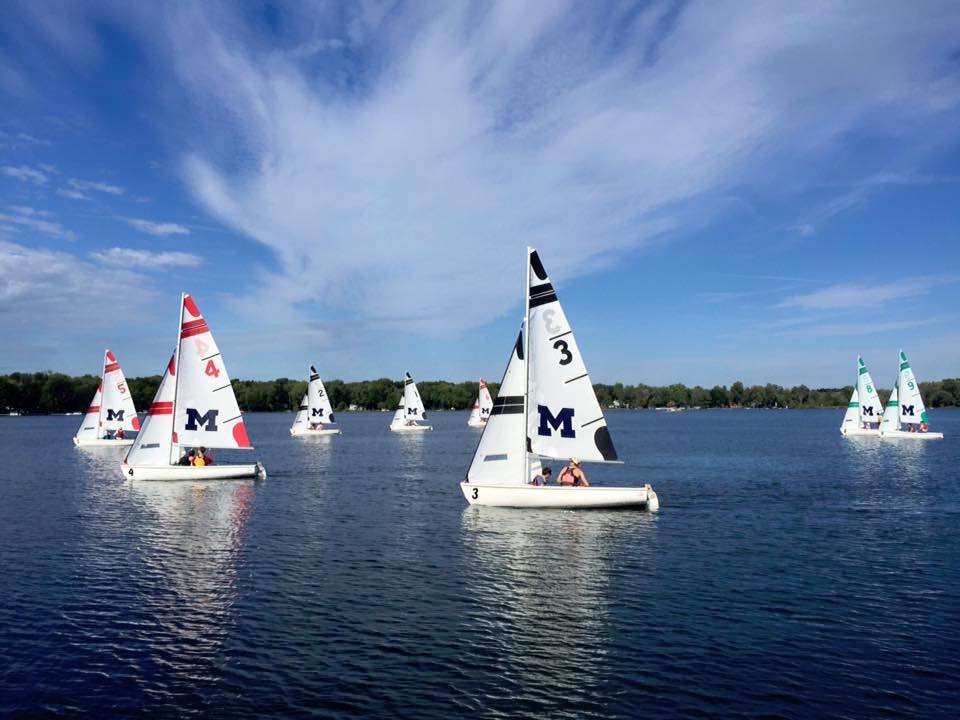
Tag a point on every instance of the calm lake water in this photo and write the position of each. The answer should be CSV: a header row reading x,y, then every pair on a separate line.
x,y
789,573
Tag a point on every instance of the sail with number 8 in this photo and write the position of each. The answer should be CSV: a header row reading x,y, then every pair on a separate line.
x,y
546,408
195,406
864,410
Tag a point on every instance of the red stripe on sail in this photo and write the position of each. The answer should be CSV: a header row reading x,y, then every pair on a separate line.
x,y
240,435
110,356
161,408
170,367
111,367
194,327
93,409
191,306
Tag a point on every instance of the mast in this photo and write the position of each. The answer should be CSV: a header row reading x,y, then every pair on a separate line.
x,y
176,379
526,366
103,376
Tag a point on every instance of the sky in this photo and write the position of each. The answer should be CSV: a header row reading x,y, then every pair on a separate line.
x,y
719,191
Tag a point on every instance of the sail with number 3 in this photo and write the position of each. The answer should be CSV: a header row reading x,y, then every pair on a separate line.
x,y
195,406
546,408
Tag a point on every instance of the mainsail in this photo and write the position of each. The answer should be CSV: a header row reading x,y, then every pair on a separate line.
x,y
912,409
411,400
500,457
205,408
870,407
563,415
117,408
154,441
319,408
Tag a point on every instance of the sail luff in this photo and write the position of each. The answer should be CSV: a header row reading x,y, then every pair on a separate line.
x,y
174,446
526,366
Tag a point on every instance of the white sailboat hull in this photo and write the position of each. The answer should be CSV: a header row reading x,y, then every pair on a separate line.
x,y
102,442
849,432
555,496
189,472
410,428
307,432
897,434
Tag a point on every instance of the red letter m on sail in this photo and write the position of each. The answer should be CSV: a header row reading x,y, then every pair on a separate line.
x,y
208,420
562,421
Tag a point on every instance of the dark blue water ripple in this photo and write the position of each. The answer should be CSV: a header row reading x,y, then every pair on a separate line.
x,y
791,573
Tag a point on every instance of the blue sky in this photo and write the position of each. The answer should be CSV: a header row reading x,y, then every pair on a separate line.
x,y
720,191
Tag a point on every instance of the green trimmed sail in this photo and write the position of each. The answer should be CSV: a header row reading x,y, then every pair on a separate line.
x,y
911,407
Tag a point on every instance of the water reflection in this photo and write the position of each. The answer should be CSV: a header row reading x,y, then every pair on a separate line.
x,y
192,536
545,580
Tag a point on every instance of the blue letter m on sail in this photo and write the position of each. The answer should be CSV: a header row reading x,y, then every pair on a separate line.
x,y
317,412
562,421
114,415
208,420
907,410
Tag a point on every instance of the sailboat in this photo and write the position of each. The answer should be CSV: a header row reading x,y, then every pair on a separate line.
x,y
194,406
906,415
480,412
410,415
315,416
864,410
111,412
546,408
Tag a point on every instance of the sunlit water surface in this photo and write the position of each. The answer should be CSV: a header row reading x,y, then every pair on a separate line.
x,y
789,573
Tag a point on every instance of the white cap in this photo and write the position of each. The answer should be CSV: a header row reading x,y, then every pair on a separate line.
x,y
575,461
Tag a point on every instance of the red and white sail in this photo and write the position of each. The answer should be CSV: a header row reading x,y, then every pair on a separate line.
x,y
480,411
90,427
117,409
155,439
206,412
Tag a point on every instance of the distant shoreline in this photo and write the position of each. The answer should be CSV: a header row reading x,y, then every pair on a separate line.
x,y
50,393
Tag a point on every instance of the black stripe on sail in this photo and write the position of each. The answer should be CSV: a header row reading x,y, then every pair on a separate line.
x,y
560,335
537,266
507,405
518,348
222,387
232,419
592,422
578,377
208,357
315,376
542,294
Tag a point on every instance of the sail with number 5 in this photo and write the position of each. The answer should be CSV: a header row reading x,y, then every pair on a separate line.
x,y
546,408
204,410
315,416
112,414
480,412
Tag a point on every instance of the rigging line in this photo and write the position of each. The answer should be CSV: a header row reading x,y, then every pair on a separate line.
x,y
208,357
560,335
592,422
578,377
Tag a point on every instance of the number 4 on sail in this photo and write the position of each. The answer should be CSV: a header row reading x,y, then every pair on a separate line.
x,y
194,407
546,408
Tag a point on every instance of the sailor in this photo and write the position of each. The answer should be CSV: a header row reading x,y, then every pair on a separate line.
x,y
573,475
542,479
188,458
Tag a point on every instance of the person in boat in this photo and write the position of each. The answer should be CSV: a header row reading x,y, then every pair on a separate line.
x,y
203,458
108,435
542,479
572,475
188,458
121,434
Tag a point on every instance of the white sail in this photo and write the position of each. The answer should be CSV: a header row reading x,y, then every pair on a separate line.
x,y
399,415
117,408
300,420
486,402
206,412
912,409
474,418
500,458
563,415
90,426
891,415
870,408
153,445
320,412
851,418
411,400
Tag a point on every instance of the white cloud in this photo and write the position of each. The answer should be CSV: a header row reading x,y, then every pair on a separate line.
x,y
80,189
27,217
130,257
857,295
24,174
156,228
469,134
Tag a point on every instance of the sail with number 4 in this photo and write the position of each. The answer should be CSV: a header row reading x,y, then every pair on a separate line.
x,y
564,418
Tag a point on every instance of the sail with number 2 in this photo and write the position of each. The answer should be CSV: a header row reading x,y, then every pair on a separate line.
x,y
546,408
315,415
410,416
196,404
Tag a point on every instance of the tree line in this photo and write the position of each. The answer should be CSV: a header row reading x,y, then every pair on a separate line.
x,y
49,392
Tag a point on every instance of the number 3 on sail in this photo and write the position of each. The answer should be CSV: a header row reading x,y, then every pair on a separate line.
x,y
546,408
